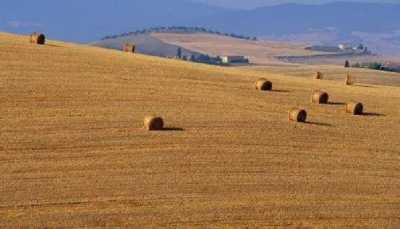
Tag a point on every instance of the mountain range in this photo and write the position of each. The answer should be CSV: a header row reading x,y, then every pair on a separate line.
x,y
89,20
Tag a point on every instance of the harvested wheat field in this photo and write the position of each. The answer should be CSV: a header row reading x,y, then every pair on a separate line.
x,y
74,153
360,76
259,52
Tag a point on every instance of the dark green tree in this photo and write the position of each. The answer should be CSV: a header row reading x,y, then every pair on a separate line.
x,y
179,53
347,64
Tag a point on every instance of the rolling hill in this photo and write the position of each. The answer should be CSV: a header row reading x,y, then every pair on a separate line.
x,y
145,44
166,44
73,151
260,52
55,18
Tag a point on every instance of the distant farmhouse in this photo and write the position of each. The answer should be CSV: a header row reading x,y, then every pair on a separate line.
x,y
231,60
344,47
206,59
341,48
360,48
219,60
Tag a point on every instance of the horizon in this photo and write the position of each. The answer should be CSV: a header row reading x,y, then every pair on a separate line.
x,y
54,18
252,4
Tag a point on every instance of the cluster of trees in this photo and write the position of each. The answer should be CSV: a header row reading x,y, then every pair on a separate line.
x,y
373,65
376,66
179,29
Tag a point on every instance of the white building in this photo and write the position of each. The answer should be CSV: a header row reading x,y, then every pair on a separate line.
x,y
234,59
344,47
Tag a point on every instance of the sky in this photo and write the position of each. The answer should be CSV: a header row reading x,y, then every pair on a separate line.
x,y
249,4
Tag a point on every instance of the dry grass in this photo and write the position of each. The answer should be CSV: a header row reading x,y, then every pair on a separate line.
x,y
259,52
331,73
73,152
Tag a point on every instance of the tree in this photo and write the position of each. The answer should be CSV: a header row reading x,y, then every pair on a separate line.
x,y
347,64
179,53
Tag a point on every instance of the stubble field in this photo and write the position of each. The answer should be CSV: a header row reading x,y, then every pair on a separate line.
x,y
73,152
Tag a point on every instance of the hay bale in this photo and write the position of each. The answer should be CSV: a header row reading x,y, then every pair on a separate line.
x,y
263,85
38,38
319,76
153,123
349,80
298,115
128,47
320,97
354,108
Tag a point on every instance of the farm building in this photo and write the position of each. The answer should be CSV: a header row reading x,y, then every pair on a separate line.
x,y
234,60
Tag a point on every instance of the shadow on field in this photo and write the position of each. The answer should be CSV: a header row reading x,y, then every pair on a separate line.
x,y
56,46
280,91
361,85
318,123
373,114
336,103
172,129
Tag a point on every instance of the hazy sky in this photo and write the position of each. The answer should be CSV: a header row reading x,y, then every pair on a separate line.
x,y
257,3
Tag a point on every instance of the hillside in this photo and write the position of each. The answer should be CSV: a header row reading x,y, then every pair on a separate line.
x,y
73,152
260,52
166,44
332,72
145,44
152,41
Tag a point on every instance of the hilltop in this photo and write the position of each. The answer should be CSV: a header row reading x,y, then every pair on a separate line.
x,y
205,43
147,43
74,154
372,23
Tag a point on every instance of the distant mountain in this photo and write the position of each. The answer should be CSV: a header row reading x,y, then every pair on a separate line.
x,y
252,4
344,17
90,20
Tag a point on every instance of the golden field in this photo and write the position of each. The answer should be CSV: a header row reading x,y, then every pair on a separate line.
x,y
263,52
73,152
331,72
259,52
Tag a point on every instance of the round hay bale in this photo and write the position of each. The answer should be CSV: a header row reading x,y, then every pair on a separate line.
x,y
153,123
319,76
128,47
320,97
354,108
349,80
298,115
263,85
38,38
